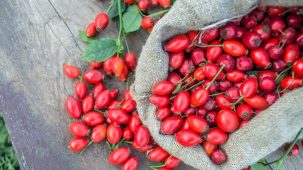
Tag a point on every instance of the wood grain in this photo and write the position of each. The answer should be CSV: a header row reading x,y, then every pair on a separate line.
x,y
37,38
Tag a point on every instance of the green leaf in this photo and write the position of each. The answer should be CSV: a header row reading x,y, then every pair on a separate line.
x,y
100,50
258,166
84,38
113,11
131,19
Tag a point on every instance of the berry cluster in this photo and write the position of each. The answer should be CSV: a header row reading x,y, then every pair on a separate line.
x,y
221,78
100,117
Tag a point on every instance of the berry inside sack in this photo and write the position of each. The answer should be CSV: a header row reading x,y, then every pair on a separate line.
x,y
212,91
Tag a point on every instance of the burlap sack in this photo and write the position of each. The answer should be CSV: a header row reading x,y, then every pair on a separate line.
x,y
263,135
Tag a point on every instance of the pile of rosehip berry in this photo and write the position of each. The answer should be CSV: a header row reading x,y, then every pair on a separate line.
x,y
100,117
148,21
221,78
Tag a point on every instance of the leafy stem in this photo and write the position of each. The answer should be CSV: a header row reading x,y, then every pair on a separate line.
x,y
158,13
110,5
119,44
279,162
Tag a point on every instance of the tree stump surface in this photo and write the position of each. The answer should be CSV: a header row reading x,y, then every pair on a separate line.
x,y
37,38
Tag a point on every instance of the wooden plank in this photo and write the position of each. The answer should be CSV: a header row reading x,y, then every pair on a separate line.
x,y
37,38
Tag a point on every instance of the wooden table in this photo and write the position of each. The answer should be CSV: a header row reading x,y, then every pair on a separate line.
x,y
36,38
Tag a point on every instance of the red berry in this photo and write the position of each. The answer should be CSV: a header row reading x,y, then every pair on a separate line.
x,y
260,57
188,138
130,60
218,157
147,22
171,125
163,88
98,133
77,144
119,156
114,133
172,162
257,102
129,2
73,107
249,87
198,56
93,76
95,64
228,31
130,164
177,44
159,101
277,24
235,76
227,120
164,3
209,148
88,103
298,67
134,122
142,136
71,71
157,154
128,105
234,48
80,89
212,53
245,112
93,118
143,5
78,129
199,97
98,88
244,64
197,124
267,84
91,30
176,59
103,99
127,134
118,115
181,101
102,20
292,53
251,40
216,136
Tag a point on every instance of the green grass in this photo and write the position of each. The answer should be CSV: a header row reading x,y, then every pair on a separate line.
x,y
8,160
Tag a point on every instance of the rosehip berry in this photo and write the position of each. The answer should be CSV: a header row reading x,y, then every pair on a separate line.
x,y
177,44
91,30
102,20
119,156
130,60
77,144
218,156
71,71
227,120
171,125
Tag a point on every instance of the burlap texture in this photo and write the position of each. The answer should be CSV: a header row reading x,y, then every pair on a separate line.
x,y
263,135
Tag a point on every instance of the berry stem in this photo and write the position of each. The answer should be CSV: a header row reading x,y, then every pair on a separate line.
x,y
119,45
216,76
90,142
110,5
126,43
158,13
280,161
285,70
210,45
238,101
195,85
